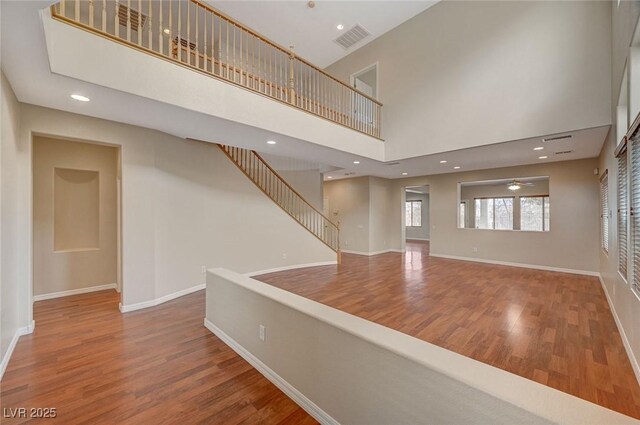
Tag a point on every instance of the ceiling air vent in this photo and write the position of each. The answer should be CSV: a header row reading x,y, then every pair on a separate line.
x,y
136,19
352,36
563,152
556,138
392,163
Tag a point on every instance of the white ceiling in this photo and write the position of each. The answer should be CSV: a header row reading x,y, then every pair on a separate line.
x,y
25,63
585,143
312,31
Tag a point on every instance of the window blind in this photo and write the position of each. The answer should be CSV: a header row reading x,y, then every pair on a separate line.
x,y
604,212
635,206
623,213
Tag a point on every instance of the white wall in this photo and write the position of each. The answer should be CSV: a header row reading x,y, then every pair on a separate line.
x,y
185,206
467,73
352,371
349,198
573,191
625,305
419,232
13,193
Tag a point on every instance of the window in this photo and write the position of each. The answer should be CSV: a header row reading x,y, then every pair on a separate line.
x,y
413,214
534,213
623,206
494,213
463,208
634,171
604,212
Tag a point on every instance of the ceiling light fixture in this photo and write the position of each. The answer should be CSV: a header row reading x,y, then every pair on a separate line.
x,y
444,161
514,186
167,31
80,98
457,167
356,162
271,142
340,27
329,177
539,148
543,157
405,174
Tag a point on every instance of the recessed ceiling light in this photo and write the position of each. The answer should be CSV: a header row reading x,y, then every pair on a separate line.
x,y
543,157
340,27
457,167
329,177
271,142
444,161
80,98
405,174
356,162
167,31
539,148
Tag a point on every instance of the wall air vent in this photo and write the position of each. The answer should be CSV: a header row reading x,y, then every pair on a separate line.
x,y
184,42
353,36
563,152
556,138
137,19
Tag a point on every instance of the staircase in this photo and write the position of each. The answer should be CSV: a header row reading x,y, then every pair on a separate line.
x,y
286,197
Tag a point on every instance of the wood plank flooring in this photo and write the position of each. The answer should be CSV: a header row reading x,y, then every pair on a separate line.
x,y
553,328
154,366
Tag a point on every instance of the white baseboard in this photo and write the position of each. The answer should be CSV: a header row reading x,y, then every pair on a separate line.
x,y
369,254
417,239
309,406
74,292
296,266
157,301
12,345
623,335
526,266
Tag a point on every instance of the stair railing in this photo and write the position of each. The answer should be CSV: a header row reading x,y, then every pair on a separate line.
x,y
195,35
285,196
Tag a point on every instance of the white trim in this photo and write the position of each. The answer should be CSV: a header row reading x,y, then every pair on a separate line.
x,y
417,239
296,266
526,266
372,253
12,345
157,301
291,392
74,292
625,340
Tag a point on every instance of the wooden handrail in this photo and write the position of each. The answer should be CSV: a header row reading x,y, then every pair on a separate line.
x,y
282,48
213,44
271,183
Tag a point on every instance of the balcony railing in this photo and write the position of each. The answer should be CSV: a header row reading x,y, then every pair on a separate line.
x,y
195,35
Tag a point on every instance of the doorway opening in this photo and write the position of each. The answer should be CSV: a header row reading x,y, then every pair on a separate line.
x,y
76,218
366,80
416,227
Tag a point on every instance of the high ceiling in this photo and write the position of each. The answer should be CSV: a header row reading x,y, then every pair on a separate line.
x,y
25,63
313,30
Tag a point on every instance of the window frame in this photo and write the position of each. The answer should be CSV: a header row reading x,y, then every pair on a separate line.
x,y
604,212
493,198
412,201
545,199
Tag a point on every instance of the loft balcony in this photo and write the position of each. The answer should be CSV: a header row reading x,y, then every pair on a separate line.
x,y
195,35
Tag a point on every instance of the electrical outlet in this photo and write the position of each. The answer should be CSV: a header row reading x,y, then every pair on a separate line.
x,y
475,249
204,269
284,256
262,333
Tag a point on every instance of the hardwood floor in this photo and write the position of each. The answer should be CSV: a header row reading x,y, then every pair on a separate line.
x,y
154,366
553,328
